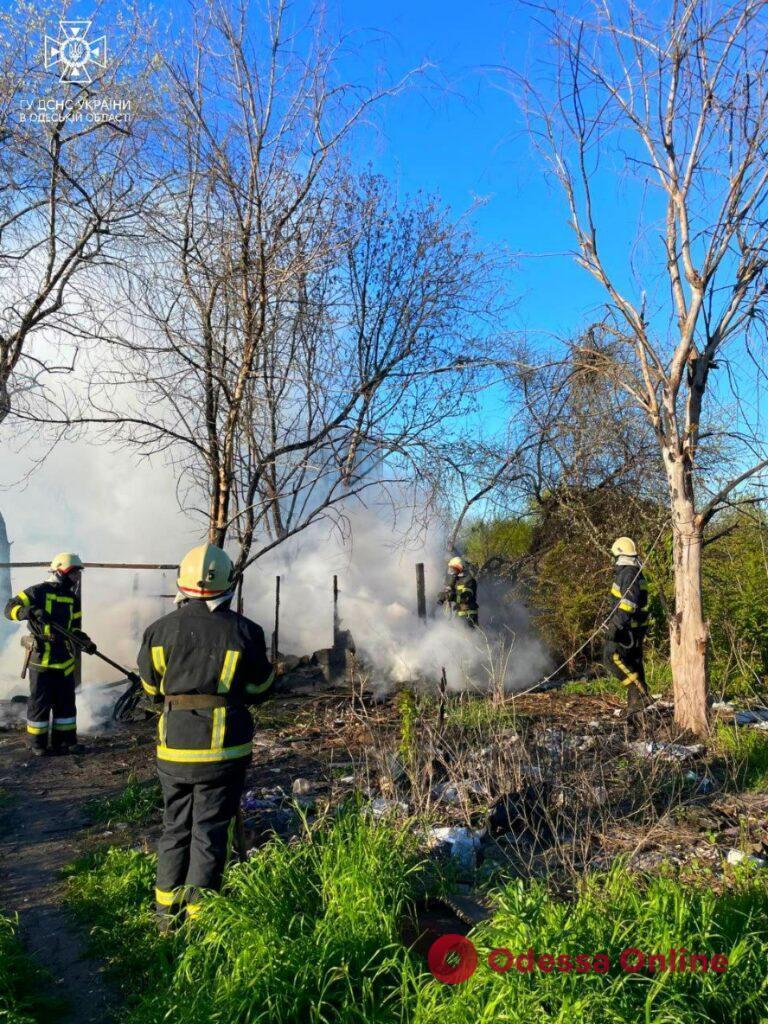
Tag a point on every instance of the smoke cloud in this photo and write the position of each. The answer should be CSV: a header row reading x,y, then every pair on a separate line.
x,y
104,506
375,566
97,502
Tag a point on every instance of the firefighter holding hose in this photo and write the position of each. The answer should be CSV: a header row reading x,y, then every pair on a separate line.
x,y
206,664
52,658
459,593
627,623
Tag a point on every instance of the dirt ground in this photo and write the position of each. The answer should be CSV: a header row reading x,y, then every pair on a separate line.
x,y
42,828
45,824
317,748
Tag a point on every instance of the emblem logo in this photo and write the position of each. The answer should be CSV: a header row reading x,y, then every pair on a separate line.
x,y
73,51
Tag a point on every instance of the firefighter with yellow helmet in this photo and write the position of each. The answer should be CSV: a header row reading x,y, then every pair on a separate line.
x,y
205,663
51,710
459,593
627,623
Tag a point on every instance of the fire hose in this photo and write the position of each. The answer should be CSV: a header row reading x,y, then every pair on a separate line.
x,y
126,703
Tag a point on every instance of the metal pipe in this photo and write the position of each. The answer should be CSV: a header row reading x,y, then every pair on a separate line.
x,y
97,653
94,565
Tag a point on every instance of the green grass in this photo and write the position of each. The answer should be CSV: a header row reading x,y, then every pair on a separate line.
x,y
658,672
612,913
266,716
658,677
22,983
137,804
304,932
737,686
468,712
745,751
307,933
605,686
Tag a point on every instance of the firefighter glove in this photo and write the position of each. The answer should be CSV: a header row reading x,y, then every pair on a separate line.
x,y
84,641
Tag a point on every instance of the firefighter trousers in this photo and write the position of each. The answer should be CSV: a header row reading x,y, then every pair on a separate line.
x,y
51,708
625,662
468,616
192,851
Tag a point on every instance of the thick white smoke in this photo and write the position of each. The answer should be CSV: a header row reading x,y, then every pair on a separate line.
x,y
376,569
96,502
107,508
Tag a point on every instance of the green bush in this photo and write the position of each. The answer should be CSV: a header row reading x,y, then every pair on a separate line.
x,y
565,577
496,543
736,602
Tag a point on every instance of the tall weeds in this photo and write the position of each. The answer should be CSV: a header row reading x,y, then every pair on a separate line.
x,y
308,932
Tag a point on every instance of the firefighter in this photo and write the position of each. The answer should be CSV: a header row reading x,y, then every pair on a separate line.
x,y
626,624
206,664
53,660
459,594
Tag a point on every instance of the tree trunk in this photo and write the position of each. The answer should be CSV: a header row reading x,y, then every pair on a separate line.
x,y
688,630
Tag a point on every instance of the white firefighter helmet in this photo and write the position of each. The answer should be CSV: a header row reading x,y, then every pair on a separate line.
x,y
205,571
65,562
624,546
456,565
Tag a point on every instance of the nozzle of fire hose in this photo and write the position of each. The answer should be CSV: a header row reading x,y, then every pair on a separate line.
x,y
128,703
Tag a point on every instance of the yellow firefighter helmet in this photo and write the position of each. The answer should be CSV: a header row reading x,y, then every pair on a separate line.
x,y
205,571
65,562
456,565
624,546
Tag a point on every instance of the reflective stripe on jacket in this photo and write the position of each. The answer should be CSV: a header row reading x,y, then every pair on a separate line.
x,y
194,650
630,598
460,591
60,605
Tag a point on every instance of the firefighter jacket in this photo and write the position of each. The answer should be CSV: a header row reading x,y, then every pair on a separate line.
x,y
460,591
196,650
630,597
59,604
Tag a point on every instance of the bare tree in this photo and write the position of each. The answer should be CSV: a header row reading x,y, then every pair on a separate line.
x,y
68,188
291,332
682,108
498,472
595,450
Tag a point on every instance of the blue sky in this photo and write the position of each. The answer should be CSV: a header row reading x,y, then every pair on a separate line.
x,y
464,137
457,132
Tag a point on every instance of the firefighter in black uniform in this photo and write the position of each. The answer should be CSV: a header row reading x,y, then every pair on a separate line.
x,y
459,594
206,664
53,660
627,623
